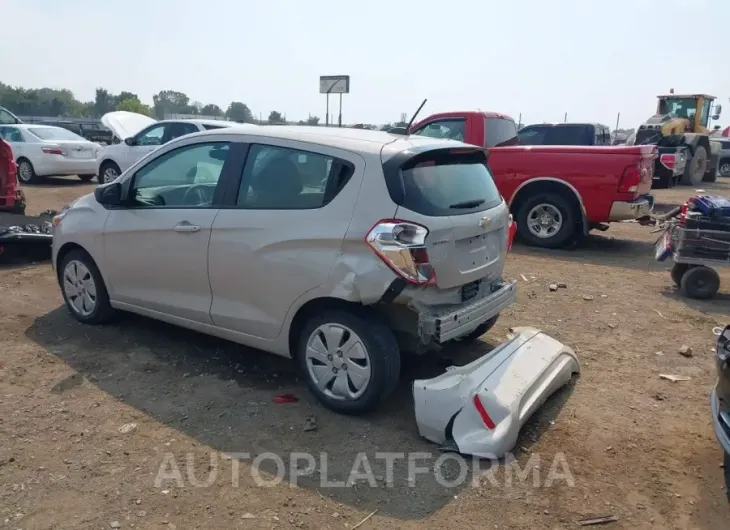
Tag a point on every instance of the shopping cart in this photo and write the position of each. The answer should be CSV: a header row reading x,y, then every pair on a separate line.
x,y
697,245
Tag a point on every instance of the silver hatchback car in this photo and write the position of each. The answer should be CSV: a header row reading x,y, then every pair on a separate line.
x,y
339,248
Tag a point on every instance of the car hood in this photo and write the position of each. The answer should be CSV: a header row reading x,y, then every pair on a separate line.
x,y
125,124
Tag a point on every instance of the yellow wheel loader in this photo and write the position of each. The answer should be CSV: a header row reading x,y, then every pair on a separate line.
x,y
681,123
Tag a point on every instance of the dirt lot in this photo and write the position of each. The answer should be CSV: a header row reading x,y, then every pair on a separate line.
x,y
637,447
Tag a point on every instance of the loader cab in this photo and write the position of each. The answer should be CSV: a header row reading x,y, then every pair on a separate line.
x,y
694,108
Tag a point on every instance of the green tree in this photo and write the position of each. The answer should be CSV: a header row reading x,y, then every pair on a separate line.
x,y
211,110
171,102
239,112
103,102
313,120
134,105
275,118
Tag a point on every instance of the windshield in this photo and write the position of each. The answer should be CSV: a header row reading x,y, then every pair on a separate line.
x,y
54,133
557,135
7,117
679,107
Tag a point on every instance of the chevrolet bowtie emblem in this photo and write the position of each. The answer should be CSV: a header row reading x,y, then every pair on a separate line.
x,y
484,222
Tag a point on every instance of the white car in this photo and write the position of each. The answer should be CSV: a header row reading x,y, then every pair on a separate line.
x,y
44,150
142,135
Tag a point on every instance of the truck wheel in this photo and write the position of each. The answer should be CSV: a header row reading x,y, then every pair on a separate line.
x,y
547,221
700,283
695,170
710,176
678,270
350,359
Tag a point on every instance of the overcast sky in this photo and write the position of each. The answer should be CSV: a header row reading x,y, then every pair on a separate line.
x,y
542,58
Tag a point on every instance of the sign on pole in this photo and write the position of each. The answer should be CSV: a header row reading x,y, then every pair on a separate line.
x,y
334,84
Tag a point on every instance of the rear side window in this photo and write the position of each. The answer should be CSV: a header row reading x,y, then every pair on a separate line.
x,y
442,182
279,178
533,135
500,132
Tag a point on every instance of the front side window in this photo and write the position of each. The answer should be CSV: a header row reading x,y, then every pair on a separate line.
x,y
152,136
279,178
176,130
183,178
454,129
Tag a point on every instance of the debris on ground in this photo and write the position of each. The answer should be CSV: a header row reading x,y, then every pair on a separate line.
x,y
674,378
524,278
115,524
285,398
248,515
127,428
588,297
562,285
685,351
310,424
598,520
358,525
553,287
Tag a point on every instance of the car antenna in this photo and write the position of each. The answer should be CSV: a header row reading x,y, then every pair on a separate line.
x,y
413,118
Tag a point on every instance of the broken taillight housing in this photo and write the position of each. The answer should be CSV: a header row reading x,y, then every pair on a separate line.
x,y
511,231
402,246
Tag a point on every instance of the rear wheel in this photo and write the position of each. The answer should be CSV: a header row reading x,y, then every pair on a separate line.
x,y
86,178
26,172
678,270
547,221
700,283
350,359
108,172
696,168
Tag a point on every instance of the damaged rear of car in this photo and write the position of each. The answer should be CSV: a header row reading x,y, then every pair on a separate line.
x,y
424,253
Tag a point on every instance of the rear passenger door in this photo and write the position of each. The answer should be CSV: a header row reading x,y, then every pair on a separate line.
x,y
281,233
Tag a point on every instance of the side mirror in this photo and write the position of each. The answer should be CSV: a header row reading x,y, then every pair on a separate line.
x,y
716,117
109,194
130,141
718,109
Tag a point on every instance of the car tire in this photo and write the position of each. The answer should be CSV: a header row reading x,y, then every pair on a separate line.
x,y
678,271
106,171
700,283
86,178
547,203
724,167
78,266
26,172
374,351
483,328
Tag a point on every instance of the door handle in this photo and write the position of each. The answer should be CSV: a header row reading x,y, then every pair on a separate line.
x,y
186,227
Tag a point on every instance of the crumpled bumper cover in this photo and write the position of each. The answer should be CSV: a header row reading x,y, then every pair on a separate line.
x,y
478,409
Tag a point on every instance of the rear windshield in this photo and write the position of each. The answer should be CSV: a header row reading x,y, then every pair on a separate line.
x,y
500,132
446,182
557,135
53,133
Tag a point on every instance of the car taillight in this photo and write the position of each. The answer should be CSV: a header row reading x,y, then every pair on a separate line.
x,y
402,247
53,150
669,161
630,180
511,231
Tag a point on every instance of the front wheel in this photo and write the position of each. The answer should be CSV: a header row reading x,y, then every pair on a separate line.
x,y
695,169
350,359
700,283
547,221
83,288
108,172
678,271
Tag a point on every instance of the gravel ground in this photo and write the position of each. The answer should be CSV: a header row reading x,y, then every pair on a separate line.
x,y
619,442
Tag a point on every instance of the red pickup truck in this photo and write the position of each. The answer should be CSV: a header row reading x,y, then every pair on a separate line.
x,y
556,193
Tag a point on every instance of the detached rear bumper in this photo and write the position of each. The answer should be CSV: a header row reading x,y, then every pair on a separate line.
x,y
456,321
626,210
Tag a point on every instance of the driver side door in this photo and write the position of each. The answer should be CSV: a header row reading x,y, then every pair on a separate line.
x,y
156,246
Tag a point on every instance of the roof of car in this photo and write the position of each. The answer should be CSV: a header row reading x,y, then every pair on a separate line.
x,y
219,123
363,140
